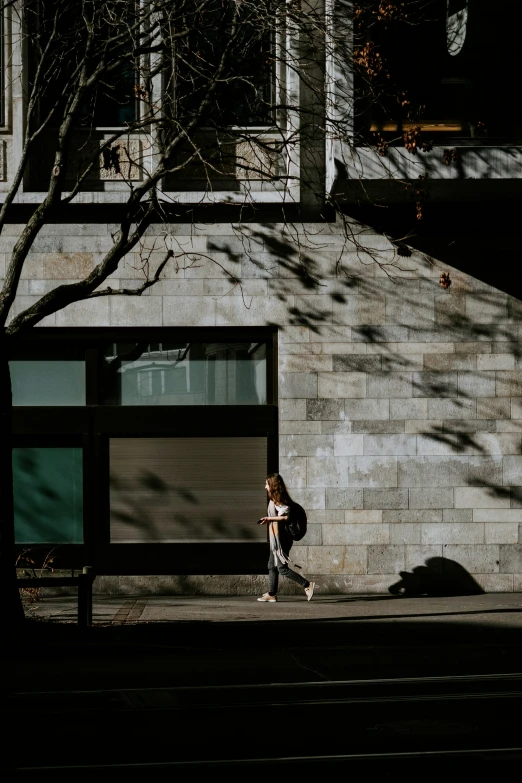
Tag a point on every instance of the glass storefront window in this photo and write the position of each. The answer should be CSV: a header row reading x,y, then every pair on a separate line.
x,y
52,382
48,495
197,373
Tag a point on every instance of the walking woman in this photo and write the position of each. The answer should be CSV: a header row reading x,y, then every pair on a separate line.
x,y
279,508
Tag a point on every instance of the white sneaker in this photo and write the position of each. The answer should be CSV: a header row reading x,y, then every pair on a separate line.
x,y
270,598
309,591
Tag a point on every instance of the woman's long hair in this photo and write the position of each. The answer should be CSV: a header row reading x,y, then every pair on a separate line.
x,y
277,490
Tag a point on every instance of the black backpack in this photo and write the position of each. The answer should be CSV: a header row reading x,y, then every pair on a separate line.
x,y
297,522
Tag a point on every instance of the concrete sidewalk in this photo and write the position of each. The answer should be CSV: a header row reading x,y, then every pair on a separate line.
x,y
502,608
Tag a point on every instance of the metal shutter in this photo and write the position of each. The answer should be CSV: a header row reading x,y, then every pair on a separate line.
x,y
187,489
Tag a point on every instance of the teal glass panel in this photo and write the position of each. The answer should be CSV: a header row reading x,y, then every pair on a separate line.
x,y
48,382
185,374
48,495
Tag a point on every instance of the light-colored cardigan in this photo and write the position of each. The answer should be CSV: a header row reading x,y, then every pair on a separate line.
x,y
273,535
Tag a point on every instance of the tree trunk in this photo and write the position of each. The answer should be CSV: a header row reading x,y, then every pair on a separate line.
x,y
12,610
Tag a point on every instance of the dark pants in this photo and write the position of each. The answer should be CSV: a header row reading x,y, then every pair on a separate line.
x,y
276,567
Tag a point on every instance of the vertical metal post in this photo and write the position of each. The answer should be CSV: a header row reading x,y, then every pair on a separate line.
x,y
85,597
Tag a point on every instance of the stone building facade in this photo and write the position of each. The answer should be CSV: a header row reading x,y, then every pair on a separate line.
x,y
396,401
399,401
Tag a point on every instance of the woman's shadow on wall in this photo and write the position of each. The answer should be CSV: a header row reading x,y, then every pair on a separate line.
x,y
438,577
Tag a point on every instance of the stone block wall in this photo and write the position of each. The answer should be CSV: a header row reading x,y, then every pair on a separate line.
x,y
400,401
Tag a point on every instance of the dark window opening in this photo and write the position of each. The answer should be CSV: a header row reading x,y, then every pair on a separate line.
x,y
57,51
244,93
443,66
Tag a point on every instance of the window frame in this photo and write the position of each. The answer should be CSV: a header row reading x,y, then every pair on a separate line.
x,y
3,81
7,71
481,158
94,424
281,188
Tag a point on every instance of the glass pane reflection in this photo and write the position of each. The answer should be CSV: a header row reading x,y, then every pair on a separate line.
x,y
184,374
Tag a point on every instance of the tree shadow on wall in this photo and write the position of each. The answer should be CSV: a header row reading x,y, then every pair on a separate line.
x,y
438,577
146,507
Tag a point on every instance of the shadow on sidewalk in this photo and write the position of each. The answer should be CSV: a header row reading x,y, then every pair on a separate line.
x,y
439,576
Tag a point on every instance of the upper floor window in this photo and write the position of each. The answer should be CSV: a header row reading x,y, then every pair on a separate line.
x,y
216,60
65,48
445,66
223,64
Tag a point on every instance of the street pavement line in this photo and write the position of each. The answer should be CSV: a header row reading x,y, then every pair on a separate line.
x,y
312,683
280,759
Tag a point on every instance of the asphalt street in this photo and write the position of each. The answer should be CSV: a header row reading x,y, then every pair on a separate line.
x,y
365,682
